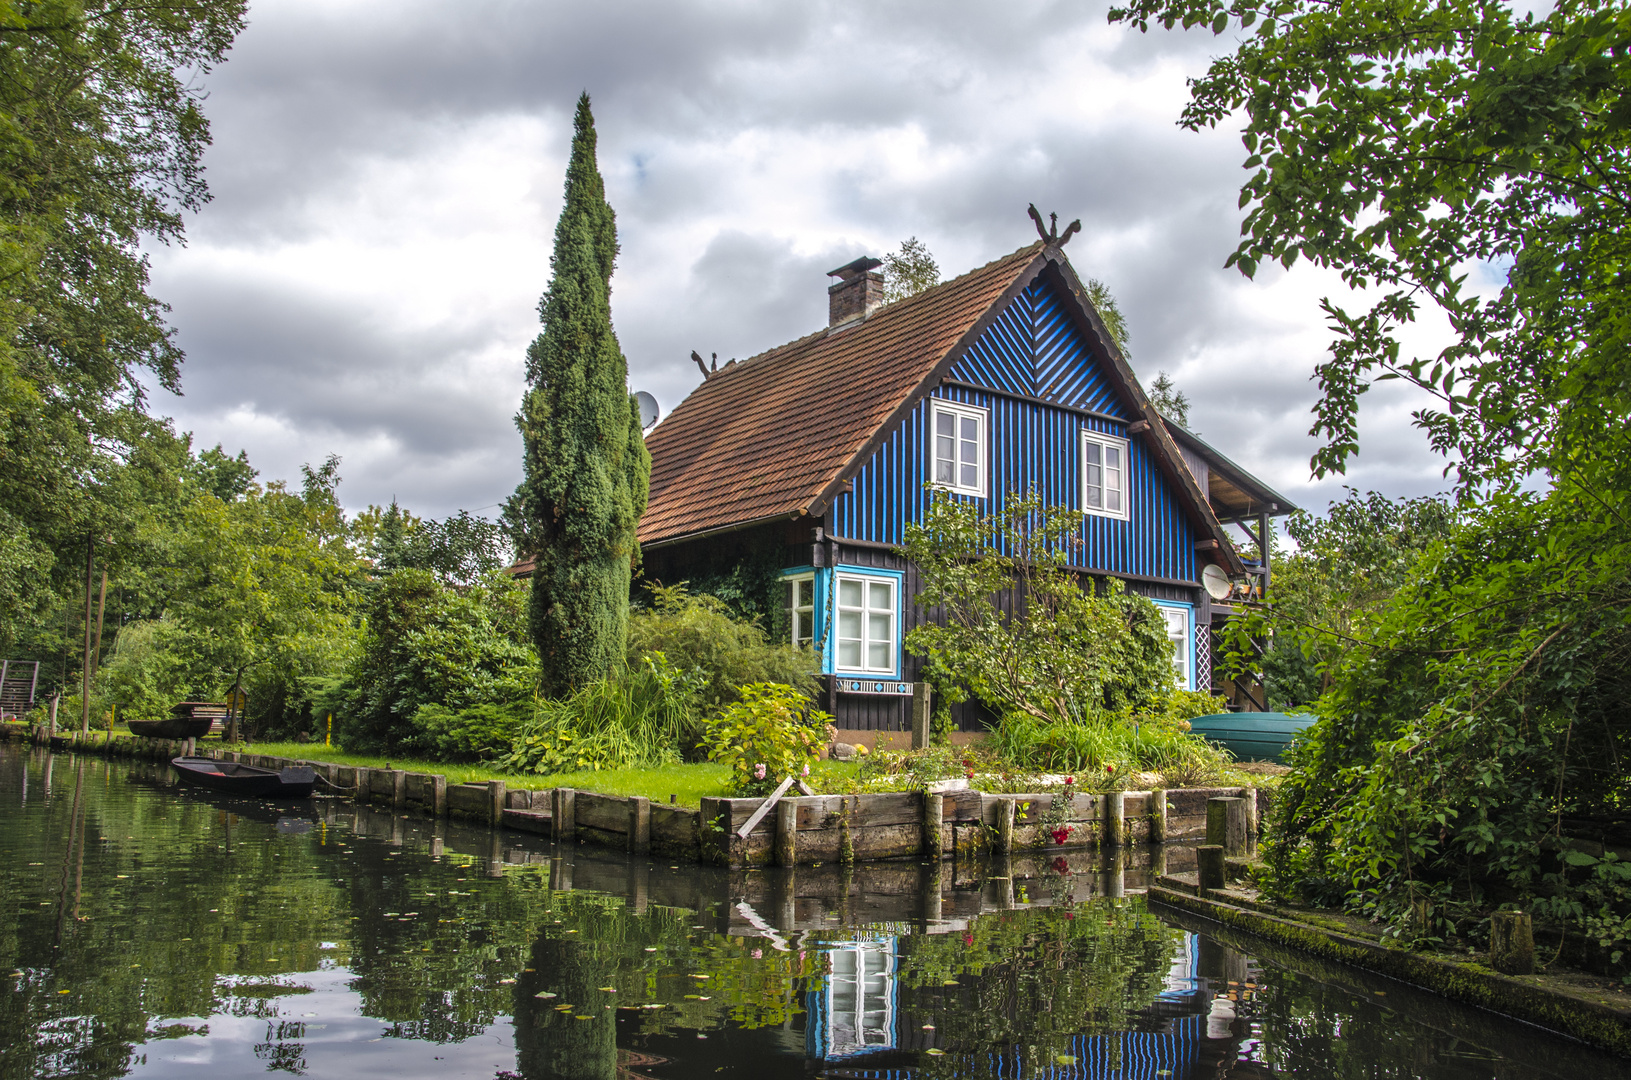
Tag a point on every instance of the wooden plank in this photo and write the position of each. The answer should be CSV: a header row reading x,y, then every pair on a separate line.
x,y
765,807
470,799
597,837
609,813
671,824
527,821
894,808
963,805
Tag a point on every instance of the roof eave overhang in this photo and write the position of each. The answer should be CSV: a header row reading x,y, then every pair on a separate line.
x,y
1279,505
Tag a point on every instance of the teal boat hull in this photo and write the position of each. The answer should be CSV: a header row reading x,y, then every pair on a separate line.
x,y
1253,736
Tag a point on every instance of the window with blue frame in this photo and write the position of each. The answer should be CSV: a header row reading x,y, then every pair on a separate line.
x,y
1180,631
868,623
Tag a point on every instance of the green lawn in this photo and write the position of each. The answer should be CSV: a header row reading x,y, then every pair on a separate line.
x,y
688,784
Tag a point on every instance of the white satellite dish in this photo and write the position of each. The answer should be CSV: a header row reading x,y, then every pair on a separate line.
x,y
648,409
1216,582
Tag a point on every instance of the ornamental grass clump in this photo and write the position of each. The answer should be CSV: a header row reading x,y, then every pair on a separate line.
x,y
639,718
770,733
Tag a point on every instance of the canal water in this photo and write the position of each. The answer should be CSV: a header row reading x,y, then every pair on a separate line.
x,y
152,931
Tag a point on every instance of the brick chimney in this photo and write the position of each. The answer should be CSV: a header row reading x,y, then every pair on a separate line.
x,y
857,293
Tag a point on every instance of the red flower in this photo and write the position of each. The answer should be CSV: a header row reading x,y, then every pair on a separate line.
x,y
1070,915
1069,780
971,774
1060,834
968,939
1109,767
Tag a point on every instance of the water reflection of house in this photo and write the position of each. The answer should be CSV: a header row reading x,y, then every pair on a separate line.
x,y
855,1024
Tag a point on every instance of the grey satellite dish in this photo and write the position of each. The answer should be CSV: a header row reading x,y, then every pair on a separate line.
x,y
648,409
1216,582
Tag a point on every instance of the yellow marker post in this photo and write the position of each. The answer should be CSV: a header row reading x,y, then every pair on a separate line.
x,y
328,739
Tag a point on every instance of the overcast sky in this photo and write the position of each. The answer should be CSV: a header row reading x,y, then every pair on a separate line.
x,y
387,178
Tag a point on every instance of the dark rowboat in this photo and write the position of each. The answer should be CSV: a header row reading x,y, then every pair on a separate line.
x,y
234,778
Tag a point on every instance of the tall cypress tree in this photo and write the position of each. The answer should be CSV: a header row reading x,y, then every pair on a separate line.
x,y
587,469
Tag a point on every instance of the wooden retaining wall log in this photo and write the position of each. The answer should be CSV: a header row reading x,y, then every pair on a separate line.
x,y
639,824
787,849
1226,825
359,792
674,831
1115,819
1248,795
1005,826
1512,943
495,802
934,809
608,813
469,801
1158,816
1210,859
564,813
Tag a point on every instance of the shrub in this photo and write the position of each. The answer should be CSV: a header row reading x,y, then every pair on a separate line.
x,y
639,718
1106,754
469,734
698,633
770,733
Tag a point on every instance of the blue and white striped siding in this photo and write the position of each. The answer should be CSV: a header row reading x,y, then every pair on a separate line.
x,y
1031,446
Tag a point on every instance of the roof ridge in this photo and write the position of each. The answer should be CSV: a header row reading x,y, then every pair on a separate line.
x,y
1028,249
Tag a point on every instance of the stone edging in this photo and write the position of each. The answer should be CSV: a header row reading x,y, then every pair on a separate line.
x,y
1598,1023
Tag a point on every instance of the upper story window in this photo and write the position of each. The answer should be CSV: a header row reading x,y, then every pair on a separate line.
x,y
1104,474
957,447
798,600
866,624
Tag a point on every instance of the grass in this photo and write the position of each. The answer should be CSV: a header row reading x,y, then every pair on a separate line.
x,y
689,784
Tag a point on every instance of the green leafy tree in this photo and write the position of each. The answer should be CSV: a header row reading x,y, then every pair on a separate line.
x,y
587,469
1061,649
1098,294
101,143
1171,402
1400,143
909,271
1345,569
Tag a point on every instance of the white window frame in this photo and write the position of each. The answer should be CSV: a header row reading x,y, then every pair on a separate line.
x,y
866,581
1184,657
796,613
1105,442
960,412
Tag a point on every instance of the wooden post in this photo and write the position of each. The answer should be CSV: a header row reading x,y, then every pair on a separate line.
x,y
85,673
787,835
1249,796
1226,824
920,715
564,814
639,824
1512,943
1005,825
1158,816
495,802
934,815
359,792
1115,819
399,789
1209,857
438,795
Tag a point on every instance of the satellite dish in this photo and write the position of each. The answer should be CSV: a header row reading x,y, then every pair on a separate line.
x,y
1216,582
648,409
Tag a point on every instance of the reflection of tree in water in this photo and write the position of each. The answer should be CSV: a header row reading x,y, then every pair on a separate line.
x,y
282,1051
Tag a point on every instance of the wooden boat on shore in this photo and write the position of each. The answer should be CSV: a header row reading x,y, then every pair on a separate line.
x,y
174,727
235,778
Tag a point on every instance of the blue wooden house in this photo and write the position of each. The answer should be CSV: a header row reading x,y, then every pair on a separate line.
x,y
793,474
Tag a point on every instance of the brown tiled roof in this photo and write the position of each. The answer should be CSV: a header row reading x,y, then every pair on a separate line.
x,y
770,436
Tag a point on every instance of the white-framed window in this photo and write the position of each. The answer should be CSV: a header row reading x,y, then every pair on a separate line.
x,y
1178,632
866,624
798,601
957,436
1104,475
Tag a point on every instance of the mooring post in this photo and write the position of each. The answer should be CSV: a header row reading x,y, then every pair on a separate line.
x,y
1209,858
920,715
1512,943
495,802
399,789
1248,795
1226,824
787,834
1115,819
1005,825
1158,816
639,824
360,791
934,816
438,795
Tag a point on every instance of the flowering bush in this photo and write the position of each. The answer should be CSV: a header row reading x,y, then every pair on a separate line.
x,y
769,734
